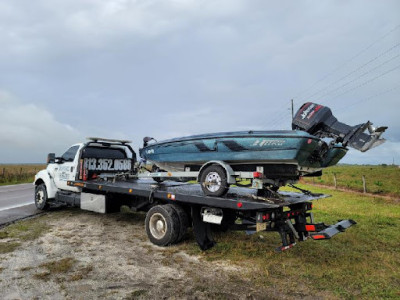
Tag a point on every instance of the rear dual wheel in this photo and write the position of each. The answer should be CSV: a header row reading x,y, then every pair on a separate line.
x,y
166,224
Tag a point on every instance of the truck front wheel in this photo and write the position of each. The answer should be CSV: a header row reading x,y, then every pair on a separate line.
x,y
162,225
41,200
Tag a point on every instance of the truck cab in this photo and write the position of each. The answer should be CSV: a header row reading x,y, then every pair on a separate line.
x,y
97,158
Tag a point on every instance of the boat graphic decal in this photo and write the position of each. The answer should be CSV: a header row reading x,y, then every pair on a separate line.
x,y
202,147
233,146
268,142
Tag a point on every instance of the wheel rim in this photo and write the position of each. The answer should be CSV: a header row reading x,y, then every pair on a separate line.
x,y
213,182
158,226
39,197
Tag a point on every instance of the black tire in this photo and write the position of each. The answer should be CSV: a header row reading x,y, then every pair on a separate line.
x,y
41,198
183,221
162,225
213,181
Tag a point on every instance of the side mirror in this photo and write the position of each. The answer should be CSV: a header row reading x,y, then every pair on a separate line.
x,y
51,158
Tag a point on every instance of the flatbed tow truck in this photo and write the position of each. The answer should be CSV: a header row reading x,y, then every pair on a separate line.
x,y
102,175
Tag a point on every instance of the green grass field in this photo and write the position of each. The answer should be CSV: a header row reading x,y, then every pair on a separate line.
x,y
380,179
363,262
14,174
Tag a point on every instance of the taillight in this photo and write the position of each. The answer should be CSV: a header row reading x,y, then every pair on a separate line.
x,y
257,175
318,237
266,217
310,228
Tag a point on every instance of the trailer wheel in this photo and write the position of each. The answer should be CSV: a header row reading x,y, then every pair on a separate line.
x,y
41,199
183,221
162,225
213,181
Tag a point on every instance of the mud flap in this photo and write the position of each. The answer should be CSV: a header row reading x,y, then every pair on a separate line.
x,y
332,230
201,230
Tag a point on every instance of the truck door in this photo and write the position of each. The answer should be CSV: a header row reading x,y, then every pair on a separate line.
x,y
66,169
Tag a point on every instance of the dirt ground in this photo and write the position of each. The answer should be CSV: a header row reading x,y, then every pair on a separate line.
x,y
83,255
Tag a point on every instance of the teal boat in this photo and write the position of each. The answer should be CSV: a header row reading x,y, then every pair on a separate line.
x,y
283,156
284,153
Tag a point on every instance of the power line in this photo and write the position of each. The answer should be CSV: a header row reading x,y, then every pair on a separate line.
x,y
381,93
284,113
349,60
279,116
354,71
366,82
273,122
362,75
281,112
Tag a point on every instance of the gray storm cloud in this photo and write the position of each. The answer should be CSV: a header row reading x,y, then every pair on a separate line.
x,y
28,132
131,68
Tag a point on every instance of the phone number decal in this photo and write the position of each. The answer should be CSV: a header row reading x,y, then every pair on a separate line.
x,y
106,164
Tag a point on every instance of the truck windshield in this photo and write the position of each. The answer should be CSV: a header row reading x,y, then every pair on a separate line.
x,y
101,152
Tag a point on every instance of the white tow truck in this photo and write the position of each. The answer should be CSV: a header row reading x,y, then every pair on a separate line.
x,y
101,175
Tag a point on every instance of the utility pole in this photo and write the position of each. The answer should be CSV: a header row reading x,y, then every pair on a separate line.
x,y
292,110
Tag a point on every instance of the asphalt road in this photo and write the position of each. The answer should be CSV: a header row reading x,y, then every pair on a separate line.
x,y
16,202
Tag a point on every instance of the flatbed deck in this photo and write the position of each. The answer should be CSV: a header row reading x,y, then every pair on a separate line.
x,y
237,198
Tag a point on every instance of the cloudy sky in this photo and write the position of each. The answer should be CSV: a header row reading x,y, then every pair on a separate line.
x,y
131,68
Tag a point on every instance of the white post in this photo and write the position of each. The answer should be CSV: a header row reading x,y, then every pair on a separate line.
x,y
364,184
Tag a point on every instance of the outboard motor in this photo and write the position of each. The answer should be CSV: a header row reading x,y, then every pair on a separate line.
x,y
318,120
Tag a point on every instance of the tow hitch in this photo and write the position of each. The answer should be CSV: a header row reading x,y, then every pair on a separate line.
x,y
298,225
330,231
289,232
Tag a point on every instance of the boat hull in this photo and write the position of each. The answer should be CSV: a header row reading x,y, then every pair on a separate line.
x,y
290,153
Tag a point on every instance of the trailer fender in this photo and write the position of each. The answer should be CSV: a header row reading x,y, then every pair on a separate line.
x,y
228,169
44,177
